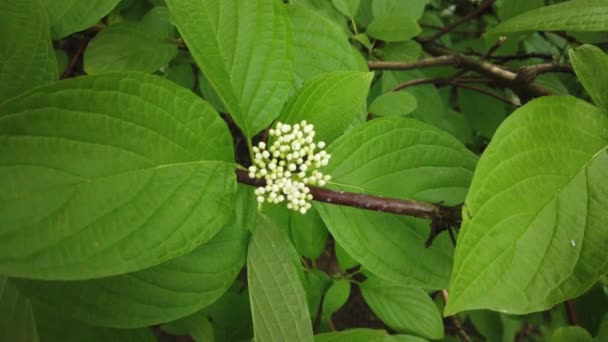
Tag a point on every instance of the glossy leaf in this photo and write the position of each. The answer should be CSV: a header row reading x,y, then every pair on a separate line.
x,y
533,233
244,48
397,158
27,58
107,175
398,103
393,27
143,46
17,321
278,300
575,15
69,16
320,46
404,308
331,102
591,66
156,295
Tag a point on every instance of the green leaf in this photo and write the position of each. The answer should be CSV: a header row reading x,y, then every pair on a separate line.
x,y
483,113
69,16
576,15
488,324
331,102
231,316
602,332
569,334
403,51
335,297
316,283
278,300
347,7
156,295
324,8
345,261
393,27
320,45
509,9
533,231
398,103
397,158
55,328
591,66
17,322
105,175
28,59
308,233
403,308
244,48
411,8
198,326
128,46
364,335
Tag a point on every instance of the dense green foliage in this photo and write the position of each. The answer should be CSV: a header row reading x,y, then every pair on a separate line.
x,y
465,197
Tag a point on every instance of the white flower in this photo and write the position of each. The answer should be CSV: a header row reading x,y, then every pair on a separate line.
x,y
289,165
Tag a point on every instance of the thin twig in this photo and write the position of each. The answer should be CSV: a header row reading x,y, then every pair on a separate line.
x,y
72,66
455,321
459,83
571,312
486,92
449,28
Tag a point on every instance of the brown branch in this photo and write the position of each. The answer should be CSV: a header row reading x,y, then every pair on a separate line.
x,y
455,321
522,86
571,312
74,61
449,28
442,217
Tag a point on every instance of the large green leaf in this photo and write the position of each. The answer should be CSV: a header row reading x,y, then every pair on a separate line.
x,y
27,59
575,15
511,8
404,308
399,158
17,322
398,103
55,328
308,233
365,335
331,102
127,46
278,301
411,8
69,16
320,46
534,232
393,27
159,294
347,7
110,174
244,48
568,334
591,66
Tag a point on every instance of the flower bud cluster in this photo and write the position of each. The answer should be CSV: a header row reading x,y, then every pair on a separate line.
x,y
289,165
